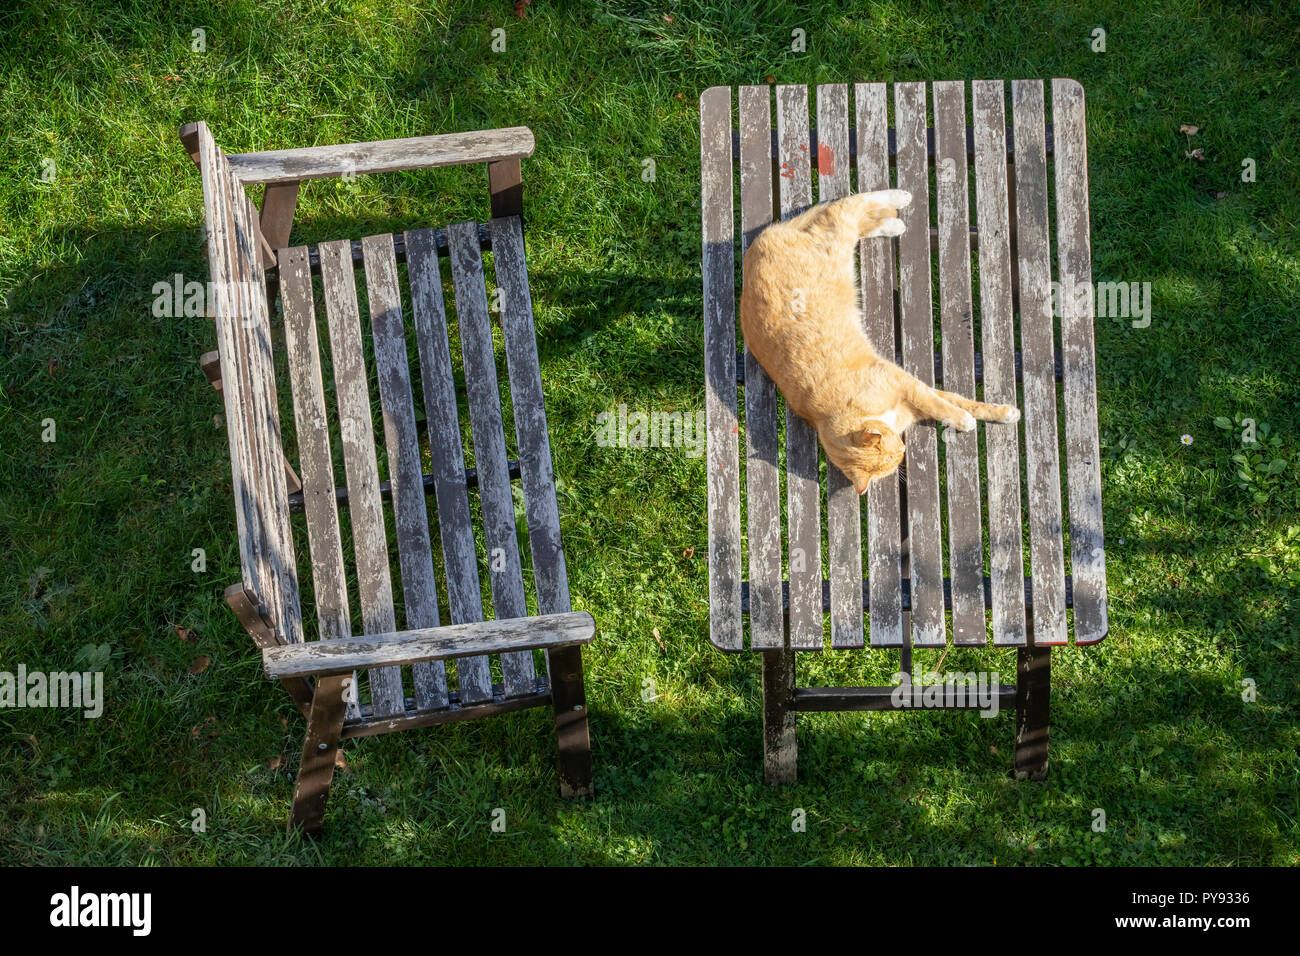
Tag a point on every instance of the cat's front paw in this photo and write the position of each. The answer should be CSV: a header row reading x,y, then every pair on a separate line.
x,y
964,423
1010,415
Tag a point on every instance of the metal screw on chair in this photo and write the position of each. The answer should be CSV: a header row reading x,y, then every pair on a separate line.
x,y
322,746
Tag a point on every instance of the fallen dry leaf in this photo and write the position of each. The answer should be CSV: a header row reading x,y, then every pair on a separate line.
x,y
658,640
521,8
340,761
200,664
769,78
1197,154
186,634
1189,129
274,763
668,18
689,552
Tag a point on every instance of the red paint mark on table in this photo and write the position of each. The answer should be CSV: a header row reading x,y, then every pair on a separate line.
x,y
825,160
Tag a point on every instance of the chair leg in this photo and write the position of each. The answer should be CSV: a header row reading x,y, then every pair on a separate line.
x,y
316,770
780,751
573,741
1033,711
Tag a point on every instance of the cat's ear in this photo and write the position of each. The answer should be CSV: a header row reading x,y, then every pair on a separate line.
x,y
867,436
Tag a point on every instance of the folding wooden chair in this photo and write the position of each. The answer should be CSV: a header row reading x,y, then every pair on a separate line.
x,y
251,262
912,598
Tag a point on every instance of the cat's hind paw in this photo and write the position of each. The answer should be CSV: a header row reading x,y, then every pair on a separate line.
x,y
887,227
898,198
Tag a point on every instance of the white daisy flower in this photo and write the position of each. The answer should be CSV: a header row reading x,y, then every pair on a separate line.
x,y
1186,439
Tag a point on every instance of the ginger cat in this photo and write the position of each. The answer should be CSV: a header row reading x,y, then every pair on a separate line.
x,y
820,357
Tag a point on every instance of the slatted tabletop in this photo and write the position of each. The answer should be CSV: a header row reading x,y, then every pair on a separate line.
x,y
970,545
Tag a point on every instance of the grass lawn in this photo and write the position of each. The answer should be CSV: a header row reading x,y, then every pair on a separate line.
x,y
98,527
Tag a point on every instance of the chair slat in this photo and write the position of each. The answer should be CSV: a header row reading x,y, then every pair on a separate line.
x,y
723,459
324,541
762,454
884,534
802,481
369,540
1083,456
473,675
1002,444
536,471
956,312
217,231
411,516
1036,344
843,515
255,331
925,558
489,440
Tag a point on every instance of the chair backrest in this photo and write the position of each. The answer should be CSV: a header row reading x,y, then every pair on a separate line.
x,y
237,260
403,342
785,596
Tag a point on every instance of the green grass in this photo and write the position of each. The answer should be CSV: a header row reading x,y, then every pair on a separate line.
x,y
97,527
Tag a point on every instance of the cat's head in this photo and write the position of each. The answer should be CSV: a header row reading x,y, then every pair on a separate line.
x,y
873,451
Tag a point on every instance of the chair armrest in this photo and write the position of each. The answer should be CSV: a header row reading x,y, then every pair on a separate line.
x,y
344,655
382,156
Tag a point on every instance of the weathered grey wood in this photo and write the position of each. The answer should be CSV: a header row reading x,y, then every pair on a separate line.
x,y
460,562
255,329
217,231
956,315
843,515
1047,561
369,539
884,541
1082,455
415,553
925,560
550,574
722,461
762,477
392,650
488,435
312,428
233,309
1002,444
802,481
383,156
